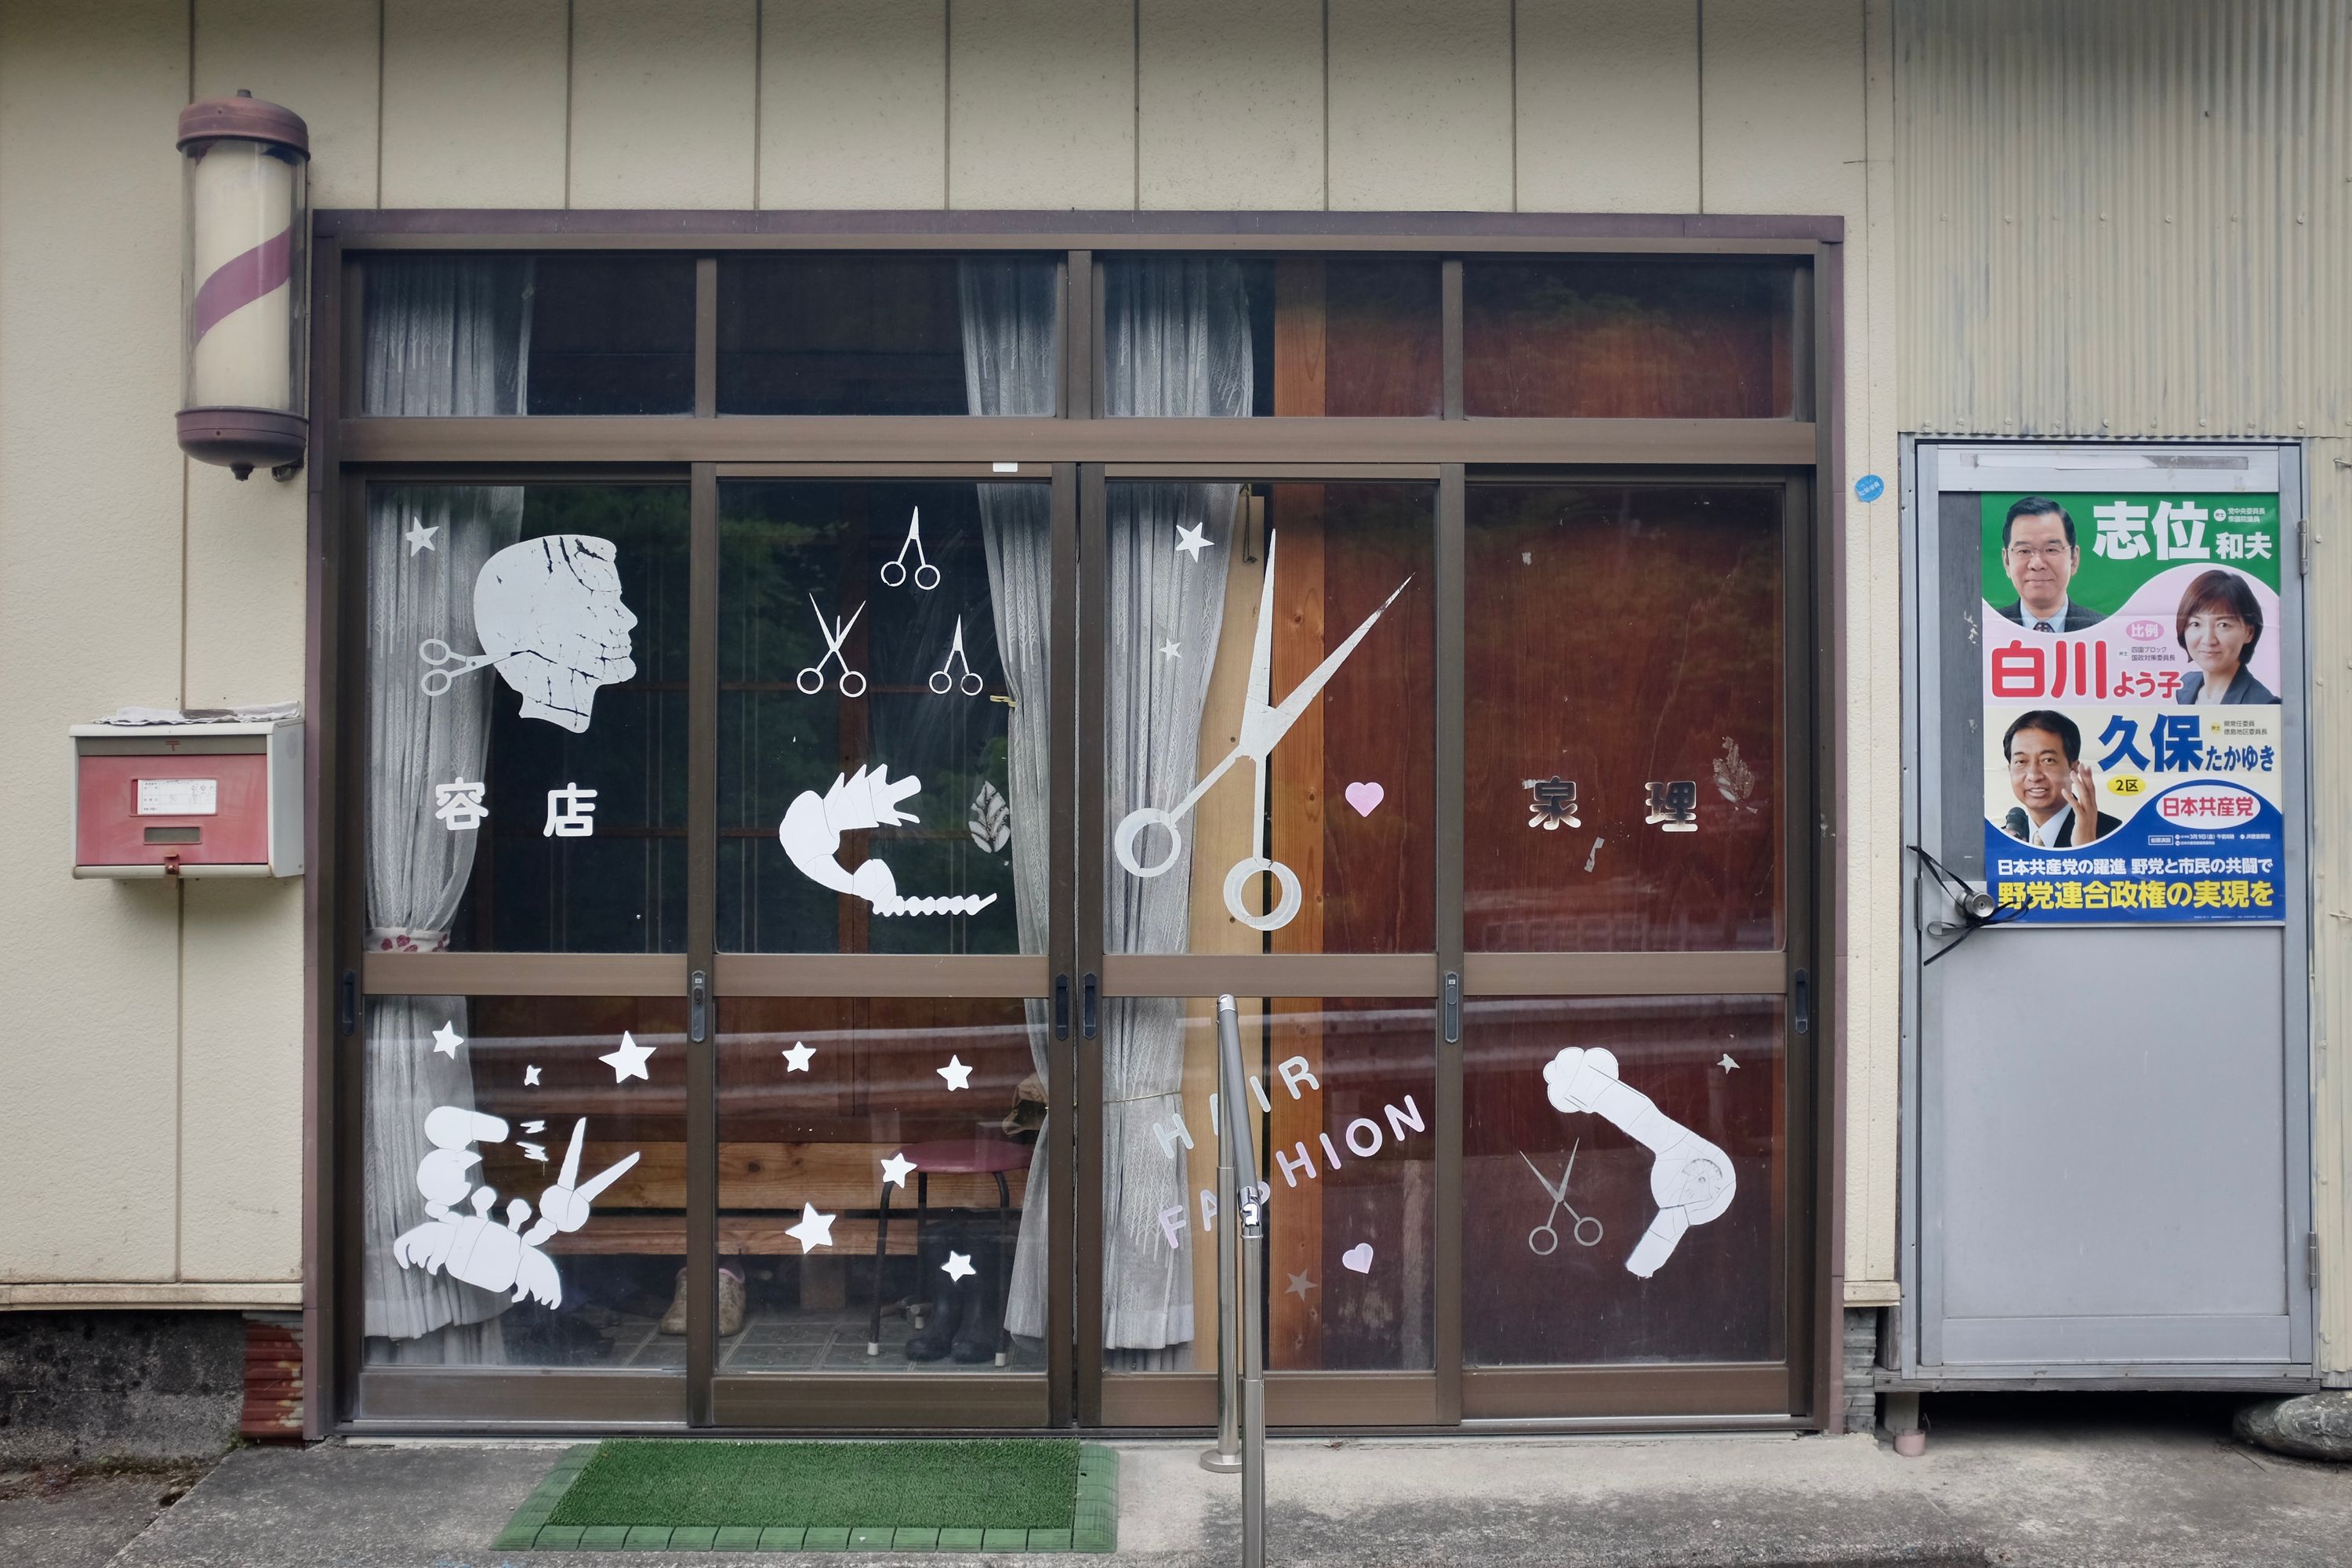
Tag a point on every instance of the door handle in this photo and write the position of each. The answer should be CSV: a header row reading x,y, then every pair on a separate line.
x,y
698,1006
1061,1006
347,1011
1086,1008
1453,1007
1802,1002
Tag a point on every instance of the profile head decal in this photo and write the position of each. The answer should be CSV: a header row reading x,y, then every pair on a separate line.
x,y
547,614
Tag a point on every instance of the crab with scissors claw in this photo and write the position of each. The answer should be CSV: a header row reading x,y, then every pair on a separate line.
x,y
1549,1234
811,679
1263,724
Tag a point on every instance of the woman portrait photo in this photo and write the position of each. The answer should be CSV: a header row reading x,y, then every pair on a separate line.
x,y
2218,628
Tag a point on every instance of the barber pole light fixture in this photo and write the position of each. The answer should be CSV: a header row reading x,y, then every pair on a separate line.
x,y
246,264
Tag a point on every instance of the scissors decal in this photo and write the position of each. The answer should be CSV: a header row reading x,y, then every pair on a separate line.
x,y
1550,1242
942,682
811,679
1262,727
448,665
927,576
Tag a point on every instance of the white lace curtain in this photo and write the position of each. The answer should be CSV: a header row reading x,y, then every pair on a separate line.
x,y
443,335
1177,344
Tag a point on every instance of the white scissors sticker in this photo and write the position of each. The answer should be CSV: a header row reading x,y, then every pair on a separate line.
x,y
811,679
927,576
1262,727
942,682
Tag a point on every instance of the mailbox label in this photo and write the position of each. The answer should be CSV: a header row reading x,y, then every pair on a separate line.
x,y
179,798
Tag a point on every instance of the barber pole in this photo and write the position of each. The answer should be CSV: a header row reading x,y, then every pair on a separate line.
x,y
246,267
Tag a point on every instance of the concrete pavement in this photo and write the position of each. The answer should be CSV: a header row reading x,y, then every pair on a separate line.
x,y
2116,1486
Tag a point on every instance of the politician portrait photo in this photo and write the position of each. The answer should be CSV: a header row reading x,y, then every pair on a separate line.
x,y
2219,626
2056,791
2039,554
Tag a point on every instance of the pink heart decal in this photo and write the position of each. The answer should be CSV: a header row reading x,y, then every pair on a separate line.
x,y
1365,796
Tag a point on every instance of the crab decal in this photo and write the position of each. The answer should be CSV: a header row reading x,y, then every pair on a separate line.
x,y
475,1247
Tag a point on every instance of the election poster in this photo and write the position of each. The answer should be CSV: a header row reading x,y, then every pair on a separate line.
x,y
2134,745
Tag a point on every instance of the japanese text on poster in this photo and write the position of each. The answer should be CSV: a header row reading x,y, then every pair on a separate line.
x,y
2133,728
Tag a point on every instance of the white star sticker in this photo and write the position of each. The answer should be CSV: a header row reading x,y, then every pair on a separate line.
x,y
815,1229
958,1266
1172,651
957,1075
420,537
1300,1285
1726,1064
1191,541
446,1039
629,1061
896,1168
797,1058
530,1077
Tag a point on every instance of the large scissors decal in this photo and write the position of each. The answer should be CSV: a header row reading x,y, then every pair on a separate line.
x,y
927,576
811,679
1263,724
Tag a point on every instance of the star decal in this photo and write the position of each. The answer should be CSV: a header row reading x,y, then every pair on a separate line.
x,y
797,1058
815,1229
1726,1064
957,1075
958,1266
1172,651
530,1077
1191,541
1300,1285
446,1039
896,1168
629,1061
420,537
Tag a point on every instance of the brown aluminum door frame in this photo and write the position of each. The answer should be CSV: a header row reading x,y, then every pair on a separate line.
x,y
897,1401
1318,1400
1778,1392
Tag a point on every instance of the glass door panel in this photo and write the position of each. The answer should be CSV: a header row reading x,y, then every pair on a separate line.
x,y
1632,1210
882,727
878,1176
1268,759
1626,740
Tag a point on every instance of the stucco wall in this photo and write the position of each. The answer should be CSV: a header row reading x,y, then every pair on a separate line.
x,y
158,1065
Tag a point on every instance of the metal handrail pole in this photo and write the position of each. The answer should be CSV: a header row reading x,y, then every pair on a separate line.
x,y
1225,1458
1247,1239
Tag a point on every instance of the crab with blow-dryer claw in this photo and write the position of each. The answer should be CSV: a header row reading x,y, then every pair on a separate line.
x,y
473,1247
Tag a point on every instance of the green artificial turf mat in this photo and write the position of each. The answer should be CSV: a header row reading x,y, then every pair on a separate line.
x,y
992,1485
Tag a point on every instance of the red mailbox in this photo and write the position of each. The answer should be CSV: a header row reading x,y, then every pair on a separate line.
x,y
188,800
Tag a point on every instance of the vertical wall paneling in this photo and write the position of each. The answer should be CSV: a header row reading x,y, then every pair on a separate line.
x,y
851,104
662,103
1041,104
90,619
1420,105
1230,103
2132,221
1608,106
474,103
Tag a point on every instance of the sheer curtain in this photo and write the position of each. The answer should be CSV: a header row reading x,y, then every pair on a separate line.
x,y
443,336
1177,343
1010,354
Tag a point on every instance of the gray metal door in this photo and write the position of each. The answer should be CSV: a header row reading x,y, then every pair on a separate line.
x,y
2107,1168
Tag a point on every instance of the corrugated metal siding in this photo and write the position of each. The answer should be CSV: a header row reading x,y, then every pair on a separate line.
x,y
2125,218
2132,217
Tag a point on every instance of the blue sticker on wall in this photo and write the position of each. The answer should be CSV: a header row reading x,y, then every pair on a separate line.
x,y
1870,487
